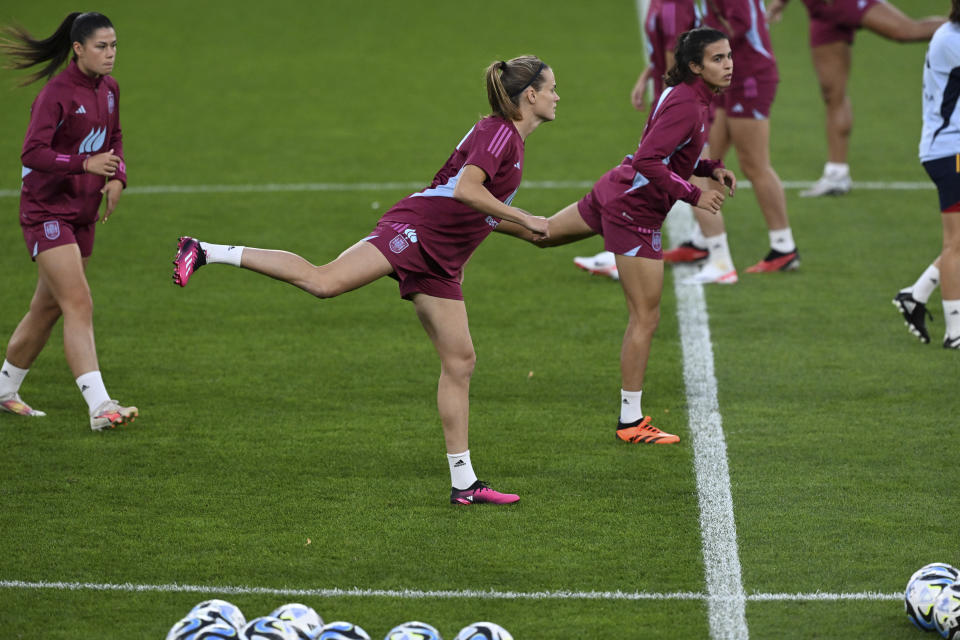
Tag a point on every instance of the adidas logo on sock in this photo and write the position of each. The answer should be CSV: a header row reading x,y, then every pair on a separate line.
x,y
955,313
460,463
625,401
83,388
5,373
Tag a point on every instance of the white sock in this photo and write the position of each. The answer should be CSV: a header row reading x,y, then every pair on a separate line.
x,y
91,386
720,252
698,240
11,378
222,253
925,285
836,170
782,240
630,410
461,470
951,312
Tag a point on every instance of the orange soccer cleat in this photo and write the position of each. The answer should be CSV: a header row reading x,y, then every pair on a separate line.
x,y
642,431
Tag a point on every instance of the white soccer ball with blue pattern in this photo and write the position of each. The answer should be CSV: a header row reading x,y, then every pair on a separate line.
x,y
341,630
413,630
268,628
483,631
924,587
198,628
946,612
220,610
305,621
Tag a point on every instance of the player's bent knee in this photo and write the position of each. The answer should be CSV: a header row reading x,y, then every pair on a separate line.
x,y
322,286
47,307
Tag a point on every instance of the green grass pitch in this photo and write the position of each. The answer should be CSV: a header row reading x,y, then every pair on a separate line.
x,y
290,443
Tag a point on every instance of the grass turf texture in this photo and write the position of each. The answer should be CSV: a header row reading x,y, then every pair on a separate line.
x,y
270,418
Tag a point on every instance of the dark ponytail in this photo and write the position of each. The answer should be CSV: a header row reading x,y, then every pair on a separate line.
x,y
690,46
26,52
506,81
955,11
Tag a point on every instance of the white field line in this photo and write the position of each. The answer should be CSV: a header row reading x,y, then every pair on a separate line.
x,y
417,594
726,600
416,186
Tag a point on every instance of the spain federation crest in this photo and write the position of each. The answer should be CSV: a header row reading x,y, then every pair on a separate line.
x,y
398,244
51,229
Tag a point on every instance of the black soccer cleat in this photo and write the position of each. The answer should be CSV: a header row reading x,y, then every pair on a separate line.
x,y
914,315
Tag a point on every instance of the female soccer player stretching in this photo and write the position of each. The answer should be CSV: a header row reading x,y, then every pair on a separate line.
x,y
72,157
424,241
628,204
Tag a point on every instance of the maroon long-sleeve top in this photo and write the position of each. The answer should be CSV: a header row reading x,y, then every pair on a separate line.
x,y
74,117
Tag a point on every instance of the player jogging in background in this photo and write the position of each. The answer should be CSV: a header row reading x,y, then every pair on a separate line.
x,y
628,205
664,22
940,155
423,242
72,157
832,27
742,118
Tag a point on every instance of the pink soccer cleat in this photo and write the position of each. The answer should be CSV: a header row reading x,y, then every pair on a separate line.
x,y
190,257
13,403
110,414
480,493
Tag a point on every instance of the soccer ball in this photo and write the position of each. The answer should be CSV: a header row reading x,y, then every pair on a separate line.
x,y
483,631
195,628
268,628
922,591
219,610
304,620
413,631
946,612
341,631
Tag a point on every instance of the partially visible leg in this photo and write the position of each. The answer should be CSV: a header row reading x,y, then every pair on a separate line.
x,y
712,224
445,322
709,240
566,226
26,343
62,270
642,281
751,137
33,332
886,20
359,265
831,62
950,278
